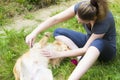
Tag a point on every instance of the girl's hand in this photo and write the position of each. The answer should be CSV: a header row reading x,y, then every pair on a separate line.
x,y
50,53
30,39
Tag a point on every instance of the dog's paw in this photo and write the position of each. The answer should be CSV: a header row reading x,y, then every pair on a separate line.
x,y
48,34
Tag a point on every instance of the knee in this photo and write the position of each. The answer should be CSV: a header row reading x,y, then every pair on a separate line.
x,y
58,31
98,43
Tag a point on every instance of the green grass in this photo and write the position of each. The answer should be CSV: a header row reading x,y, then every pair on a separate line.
x,y
12,45
29,16
8,10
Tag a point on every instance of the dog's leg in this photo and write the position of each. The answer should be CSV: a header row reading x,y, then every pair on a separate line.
x,y
44,40
55,62
18,65
16,69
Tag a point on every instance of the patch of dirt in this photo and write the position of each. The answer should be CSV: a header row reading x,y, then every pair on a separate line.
x,y
20,22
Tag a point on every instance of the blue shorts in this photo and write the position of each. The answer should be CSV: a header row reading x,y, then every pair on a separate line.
x,y
107,52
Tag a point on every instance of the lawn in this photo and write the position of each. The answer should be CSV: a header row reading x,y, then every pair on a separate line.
x,y
12,45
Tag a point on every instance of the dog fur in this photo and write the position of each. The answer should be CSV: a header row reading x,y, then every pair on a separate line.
x,y
34,66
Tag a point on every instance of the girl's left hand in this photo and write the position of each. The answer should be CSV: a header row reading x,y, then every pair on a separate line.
x,y
50,53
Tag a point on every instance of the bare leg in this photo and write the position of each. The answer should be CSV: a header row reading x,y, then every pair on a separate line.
x,y
87,61
68,42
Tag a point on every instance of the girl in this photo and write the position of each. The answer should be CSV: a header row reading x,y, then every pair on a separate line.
x,y
99,42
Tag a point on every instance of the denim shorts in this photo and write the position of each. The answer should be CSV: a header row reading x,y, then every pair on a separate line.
x,y
107,52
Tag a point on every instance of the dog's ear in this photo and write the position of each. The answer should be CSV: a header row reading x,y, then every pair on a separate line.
x,y
57,42
44,39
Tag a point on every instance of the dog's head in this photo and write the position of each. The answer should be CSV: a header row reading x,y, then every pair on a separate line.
x,y
43,42
58,46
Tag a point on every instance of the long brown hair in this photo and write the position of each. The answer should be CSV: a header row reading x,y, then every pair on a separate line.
x,y
89,9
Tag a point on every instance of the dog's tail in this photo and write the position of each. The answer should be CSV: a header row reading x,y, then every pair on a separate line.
x,y
45,38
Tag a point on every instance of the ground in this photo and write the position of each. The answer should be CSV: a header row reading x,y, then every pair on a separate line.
x,y
40,15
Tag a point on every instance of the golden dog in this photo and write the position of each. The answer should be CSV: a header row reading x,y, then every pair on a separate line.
x,y
33,65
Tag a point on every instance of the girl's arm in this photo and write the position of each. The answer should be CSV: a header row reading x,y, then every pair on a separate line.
x,y
80,51
65,15
74,52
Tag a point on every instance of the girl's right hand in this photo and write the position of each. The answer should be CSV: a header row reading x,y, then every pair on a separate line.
x,y
30,39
